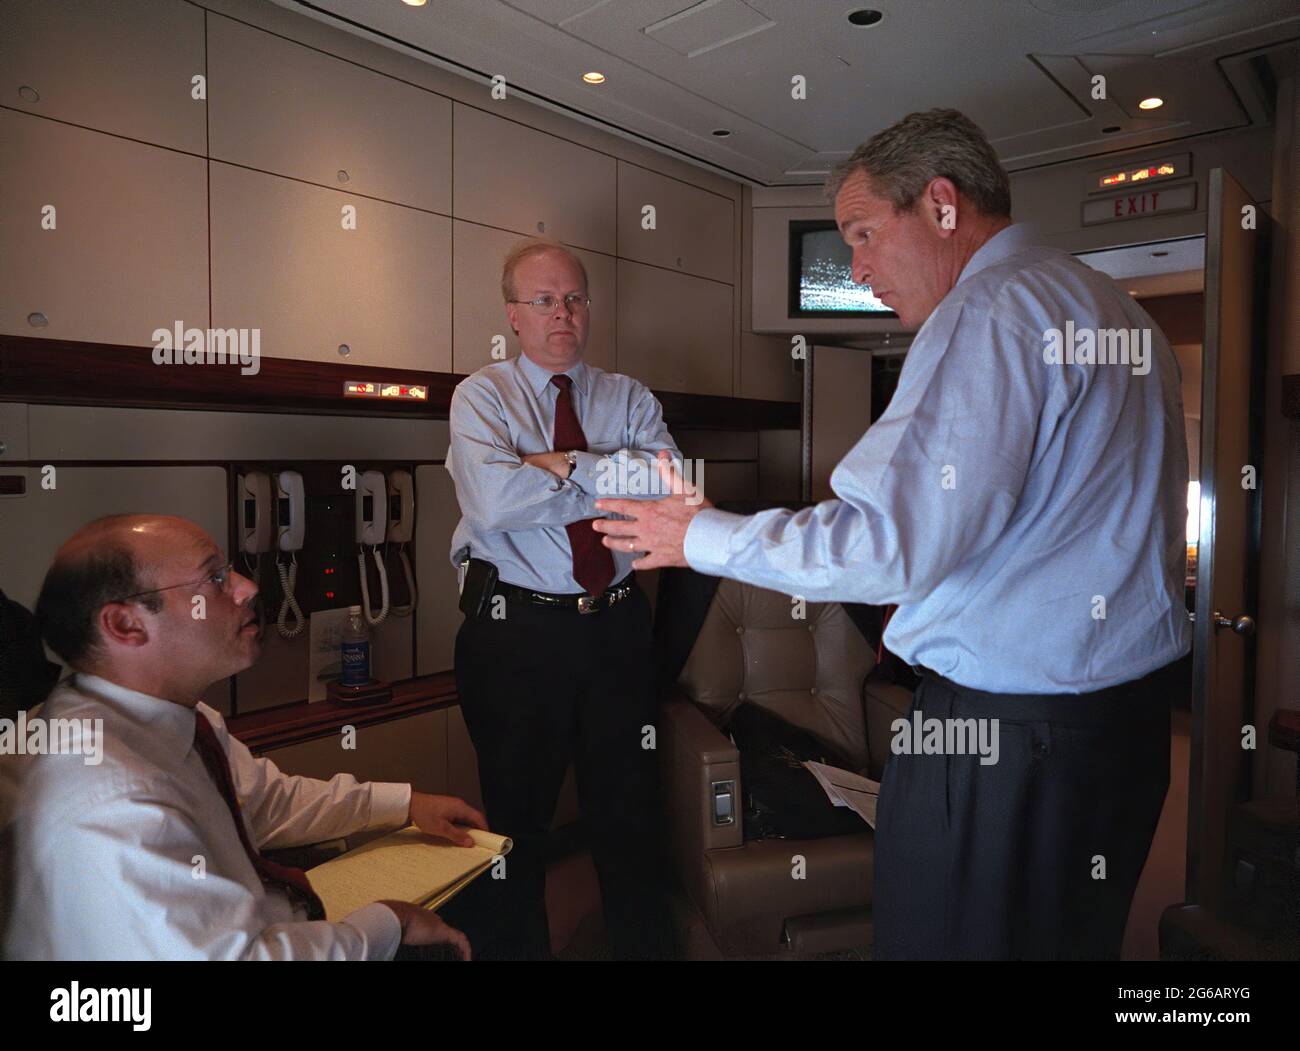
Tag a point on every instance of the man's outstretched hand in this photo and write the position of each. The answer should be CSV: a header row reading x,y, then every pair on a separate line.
x,y
657,527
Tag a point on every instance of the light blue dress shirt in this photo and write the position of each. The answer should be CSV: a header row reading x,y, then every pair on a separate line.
x,y
514,514
1028,516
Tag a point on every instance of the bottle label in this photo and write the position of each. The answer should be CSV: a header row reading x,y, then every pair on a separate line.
x,y
356,663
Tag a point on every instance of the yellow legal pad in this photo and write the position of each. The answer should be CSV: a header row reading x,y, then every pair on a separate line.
x,y
407,865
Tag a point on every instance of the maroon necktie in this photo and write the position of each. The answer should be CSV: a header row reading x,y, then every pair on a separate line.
x,y
293,881
593,565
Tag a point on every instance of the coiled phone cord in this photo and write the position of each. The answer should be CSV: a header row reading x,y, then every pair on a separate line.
x,y
372,619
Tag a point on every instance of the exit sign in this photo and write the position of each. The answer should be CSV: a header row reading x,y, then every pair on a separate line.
x,y
1140,205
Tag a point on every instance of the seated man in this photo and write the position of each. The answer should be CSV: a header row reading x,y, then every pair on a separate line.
x,y
144,844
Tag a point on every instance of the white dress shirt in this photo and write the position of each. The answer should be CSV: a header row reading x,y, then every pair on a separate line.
x,y
1027,515
138,857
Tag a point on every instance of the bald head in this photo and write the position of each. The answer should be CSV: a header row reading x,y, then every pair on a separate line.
x,y
105,561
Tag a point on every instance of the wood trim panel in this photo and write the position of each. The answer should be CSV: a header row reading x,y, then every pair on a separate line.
x,y
68,372
1291,396
289,724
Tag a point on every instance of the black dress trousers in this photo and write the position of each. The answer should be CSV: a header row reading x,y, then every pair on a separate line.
x,y
1036,856
540,688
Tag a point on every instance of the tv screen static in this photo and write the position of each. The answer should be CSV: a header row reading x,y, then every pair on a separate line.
x,y
821,283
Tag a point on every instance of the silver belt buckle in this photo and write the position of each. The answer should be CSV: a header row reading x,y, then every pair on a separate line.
x,y
587,604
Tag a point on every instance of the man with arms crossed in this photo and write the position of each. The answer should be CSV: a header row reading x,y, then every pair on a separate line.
x,y
155,851
557,667
1027,515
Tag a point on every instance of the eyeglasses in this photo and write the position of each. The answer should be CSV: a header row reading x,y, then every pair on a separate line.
x,y
573,302
222,578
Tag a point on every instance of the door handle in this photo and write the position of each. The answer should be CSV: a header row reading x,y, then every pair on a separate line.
x,y
1243,625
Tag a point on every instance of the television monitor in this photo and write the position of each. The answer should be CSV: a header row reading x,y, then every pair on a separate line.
x,y
821,282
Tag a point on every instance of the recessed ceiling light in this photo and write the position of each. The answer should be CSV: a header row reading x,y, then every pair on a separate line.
x,y
721,133
594,78
1152,103
415,3
864,16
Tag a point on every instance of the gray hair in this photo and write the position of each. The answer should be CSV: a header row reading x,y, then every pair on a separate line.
x,y
526,249
900,161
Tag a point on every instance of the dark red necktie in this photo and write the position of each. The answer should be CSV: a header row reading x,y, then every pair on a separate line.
x,y
291,880
593,565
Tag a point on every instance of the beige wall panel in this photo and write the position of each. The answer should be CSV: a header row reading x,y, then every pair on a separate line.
x,y
13,431
674,330
731,481
282,262
766,368
511,176
841,409
480,313
129,251
411,751
779,465
280,675
95,432
438,615
123,67
284,108
694,229
718,445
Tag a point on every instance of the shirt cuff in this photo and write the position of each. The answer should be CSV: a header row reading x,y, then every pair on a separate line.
x,y
380,927
390,805
587,472
708,540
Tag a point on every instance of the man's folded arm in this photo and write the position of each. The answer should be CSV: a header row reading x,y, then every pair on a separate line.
x,y
629,472
131,879
494,486
284,810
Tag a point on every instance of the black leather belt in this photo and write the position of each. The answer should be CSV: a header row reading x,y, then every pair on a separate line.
x,y
582,603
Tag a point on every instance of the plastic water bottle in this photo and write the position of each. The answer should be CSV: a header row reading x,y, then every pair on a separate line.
x,y
356,650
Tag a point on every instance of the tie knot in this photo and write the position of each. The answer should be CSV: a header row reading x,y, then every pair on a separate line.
x,y
562,381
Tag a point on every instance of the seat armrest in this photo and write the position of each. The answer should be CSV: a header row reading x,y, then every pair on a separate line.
x,y
696,755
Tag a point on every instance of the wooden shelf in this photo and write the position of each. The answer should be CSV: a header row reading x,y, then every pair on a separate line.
x,y
295,723
64,372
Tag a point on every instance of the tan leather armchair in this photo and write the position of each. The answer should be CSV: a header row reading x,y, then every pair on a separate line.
x,y
811,672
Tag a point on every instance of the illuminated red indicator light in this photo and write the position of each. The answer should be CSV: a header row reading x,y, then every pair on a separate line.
x,y
329,594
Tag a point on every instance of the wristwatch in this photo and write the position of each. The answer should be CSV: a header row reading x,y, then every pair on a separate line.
x,y
572,457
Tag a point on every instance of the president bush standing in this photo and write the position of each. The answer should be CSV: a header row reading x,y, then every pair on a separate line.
x,y
1025,509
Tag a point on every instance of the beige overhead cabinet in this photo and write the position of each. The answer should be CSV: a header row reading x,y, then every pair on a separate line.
x,y
513,177
101,239
480,313
674,330
285,108
670,223
126,67
286,261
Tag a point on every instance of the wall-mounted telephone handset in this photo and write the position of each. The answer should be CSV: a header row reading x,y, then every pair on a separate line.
x,y
401,526
372,527
290,528
253,508
254,495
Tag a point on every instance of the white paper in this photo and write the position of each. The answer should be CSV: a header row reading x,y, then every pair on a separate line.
x,y
845,788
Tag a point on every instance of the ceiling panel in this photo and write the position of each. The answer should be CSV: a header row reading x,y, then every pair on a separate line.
x,y
677,70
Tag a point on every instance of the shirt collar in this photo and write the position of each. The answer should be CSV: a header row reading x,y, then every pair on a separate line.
x,y
1002,245
168,725
539,378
